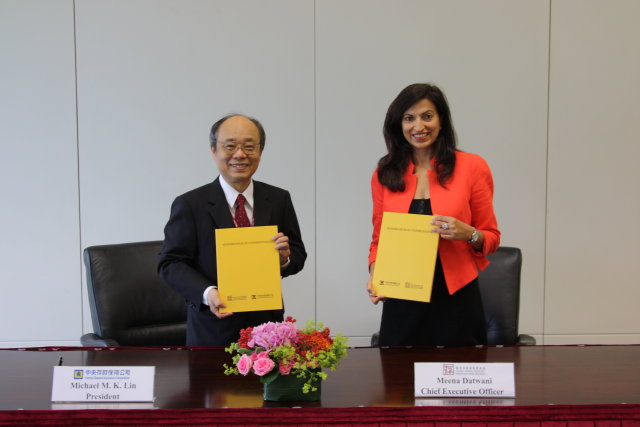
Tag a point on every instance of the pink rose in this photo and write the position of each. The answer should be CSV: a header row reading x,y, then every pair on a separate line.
x,y
285,368
263,366
261,355
244,364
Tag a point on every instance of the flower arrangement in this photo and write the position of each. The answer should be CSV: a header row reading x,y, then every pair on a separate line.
x,y
273,349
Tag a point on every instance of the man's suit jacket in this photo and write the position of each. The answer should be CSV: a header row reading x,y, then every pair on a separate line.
x,y
187,261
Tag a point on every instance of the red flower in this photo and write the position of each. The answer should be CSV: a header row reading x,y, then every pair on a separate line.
x,y
314,342
245,336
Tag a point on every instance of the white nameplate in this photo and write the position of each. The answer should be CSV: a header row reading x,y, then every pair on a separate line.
x,y
102,383
480,380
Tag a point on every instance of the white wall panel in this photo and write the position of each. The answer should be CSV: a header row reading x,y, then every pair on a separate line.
x,y
154,75
490,58
592,247
40,270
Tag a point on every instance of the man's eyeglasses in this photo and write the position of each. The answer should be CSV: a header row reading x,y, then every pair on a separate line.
x,y
248,148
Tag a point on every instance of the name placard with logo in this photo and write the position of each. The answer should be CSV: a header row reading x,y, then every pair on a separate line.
x,y
480,380
102,383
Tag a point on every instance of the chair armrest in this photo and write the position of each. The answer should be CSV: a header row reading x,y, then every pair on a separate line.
x,y
93,340
524,339
375,339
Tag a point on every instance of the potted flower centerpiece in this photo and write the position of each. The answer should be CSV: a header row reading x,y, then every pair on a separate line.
x,y
288,360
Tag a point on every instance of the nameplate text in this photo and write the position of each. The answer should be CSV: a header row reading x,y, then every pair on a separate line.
x,y
478,380
102,383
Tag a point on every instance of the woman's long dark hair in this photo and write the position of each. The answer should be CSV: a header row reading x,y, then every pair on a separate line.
x,y
392,166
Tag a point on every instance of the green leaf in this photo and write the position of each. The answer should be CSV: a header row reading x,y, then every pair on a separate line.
x,y
267,378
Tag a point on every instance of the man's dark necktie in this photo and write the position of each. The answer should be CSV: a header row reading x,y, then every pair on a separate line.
x,y
241,218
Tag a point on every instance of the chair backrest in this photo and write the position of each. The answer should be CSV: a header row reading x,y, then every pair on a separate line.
x,y
500,290
129,302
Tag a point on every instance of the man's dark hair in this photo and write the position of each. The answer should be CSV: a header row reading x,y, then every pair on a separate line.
x,y
213,135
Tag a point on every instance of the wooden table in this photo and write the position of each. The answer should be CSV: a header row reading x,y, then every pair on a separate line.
x,y
569,375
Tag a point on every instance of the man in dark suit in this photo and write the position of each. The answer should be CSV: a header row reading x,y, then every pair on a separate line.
x,y
187,261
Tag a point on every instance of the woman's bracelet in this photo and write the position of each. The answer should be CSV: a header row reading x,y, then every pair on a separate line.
x,y
474,237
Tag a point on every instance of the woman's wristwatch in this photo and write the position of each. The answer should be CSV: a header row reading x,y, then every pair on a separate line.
x,y
474,236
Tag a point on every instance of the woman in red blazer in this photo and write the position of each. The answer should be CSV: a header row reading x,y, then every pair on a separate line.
x,y
424,173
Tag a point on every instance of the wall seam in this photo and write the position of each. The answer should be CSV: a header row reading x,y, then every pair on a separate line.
x,y
75,77
546,184
315,170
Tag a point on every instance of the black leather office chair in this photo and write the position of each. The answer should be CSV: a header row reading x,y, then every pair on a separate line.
x,y
130,304
500,289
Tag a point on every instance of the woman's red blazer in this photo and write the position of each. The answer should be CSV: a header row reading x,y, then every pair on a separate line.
x,y
468,196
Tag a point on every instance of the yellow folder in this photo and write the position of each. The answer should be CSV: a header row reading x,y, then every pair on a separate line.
x,y
248,269
406,259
